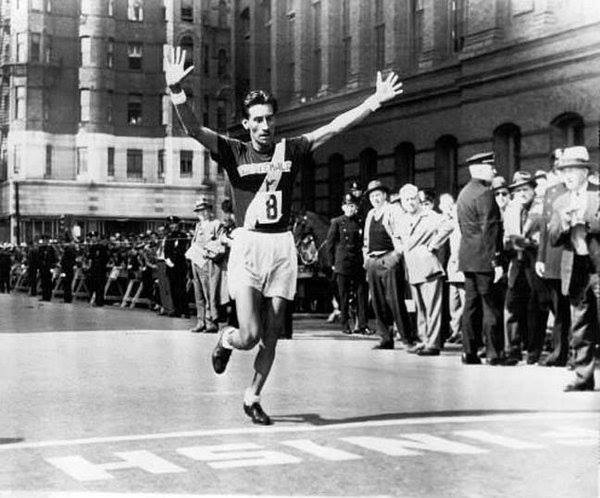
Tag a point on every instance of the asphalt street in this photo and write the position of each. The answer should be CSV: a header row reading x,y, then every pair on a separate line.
x,y
109,402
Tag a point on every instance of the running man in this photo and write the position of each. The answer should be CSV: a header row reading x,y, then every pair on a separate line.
x,y
262,268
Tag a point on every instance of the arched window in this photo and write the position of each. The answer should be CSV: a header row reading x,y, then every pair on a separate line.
x,y
336,182
507,150
367,166
404,163
187,44
567,130
446,164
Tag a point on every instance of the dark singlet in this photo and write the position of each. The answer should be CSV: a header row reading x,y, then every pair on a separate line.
x,y
262,184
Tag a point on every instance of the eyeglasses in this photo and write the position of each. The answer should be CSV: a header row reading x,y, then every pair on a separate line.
x,y
503,194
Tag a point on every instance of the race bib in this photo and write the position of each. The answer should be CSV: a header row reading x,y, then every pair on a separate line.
x,y
271,203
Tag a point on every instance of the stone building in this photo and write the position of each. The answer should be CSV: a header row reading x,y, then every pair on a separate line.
x,y
520,77
86,128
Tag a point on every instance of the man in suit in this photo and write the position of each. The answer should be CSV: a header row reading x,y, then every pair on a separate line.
x,y
47,261
382,252
344,245
575,226
422,231
481,229
525,322
98,254
547,267
67,266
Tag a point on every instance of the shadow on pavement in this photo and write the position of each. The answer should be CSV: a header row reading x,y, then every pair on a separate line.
x,y
316,419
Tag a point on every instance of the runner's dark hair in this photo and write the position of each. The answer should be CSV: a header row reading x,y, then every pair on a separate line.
x,y
258,97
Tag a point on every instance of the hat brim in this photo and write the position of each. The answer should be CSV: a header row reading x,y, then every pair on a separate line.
x,y
379,187
532,183
576,165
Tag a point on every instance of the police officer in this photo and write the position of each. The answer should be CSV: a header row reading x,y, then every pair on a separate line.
x,y
176,245
344,244
364,206
67,267
47,261
98,255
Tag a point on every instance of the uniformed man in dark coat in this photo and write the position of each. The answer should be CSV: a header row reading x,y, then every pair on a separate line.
x,y
176,245
67,267
47,262
481,230
98,255
548,267
344,245
5,267
33,263
364,205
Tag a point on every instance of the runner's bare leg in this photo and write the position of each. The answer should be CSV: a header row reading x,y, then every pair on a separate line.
x,y
248,303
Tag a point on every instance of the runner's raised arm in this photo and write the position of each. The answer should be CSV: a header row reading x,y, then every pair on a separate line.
x,y
384,91
174,74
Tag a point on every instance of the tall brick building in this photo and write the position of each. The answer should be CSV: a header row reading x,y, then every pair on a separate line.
x,y
87,130
520,77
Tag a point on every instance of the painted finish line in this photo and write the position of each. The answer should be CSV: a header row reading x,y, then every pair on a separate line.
x,y
463,419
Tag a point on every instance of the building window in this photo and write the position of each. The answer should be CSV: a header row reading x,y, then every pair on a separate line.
x,y
82,157
21,47
446,165
222,63
186,158
187,11
135,10
34,54
206,112
418,13
336,182
206,60
134,53
110,96
20,102
346,41
507,149
206,178
458,24
161,164
222,14
48,171
316,47
110,162
134,164
86,50
84,105
110,53
47,49
567,130
134,109
221,119
404,163
367,165
111,8
379,35
187,44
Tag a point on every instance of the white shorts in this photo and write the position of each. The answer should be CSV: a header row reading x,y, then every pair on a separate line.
x,y
267,262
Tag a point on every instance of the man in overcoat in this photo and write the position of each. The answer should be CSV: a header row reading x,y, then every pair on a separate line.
x,y
575,226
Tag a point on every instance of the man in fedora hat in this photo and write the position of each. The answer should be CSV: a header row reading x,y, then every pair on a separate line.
x,y
481,242
501,193
547,267
382,252
205,270
525,324
344,247
263,260
575,227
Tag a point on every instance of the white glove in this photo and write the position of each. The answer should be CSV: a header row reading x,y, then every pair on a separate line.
x,y
174,72
498,273
169,263
540,268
